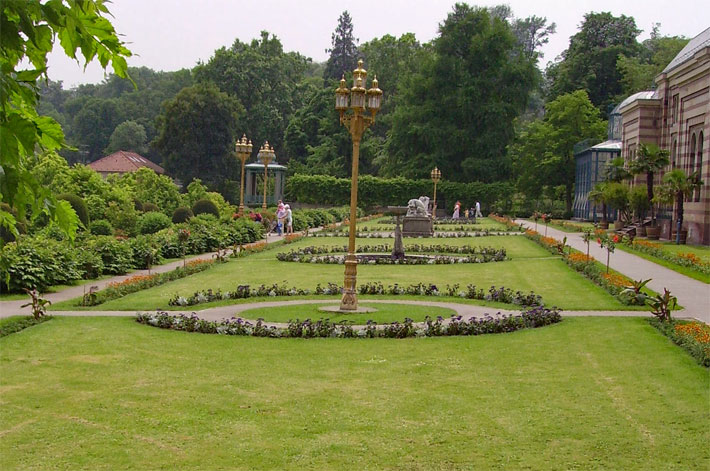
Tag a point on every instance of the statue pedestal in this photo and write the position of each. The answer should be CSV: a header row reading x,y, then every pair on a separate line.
x,y
417,226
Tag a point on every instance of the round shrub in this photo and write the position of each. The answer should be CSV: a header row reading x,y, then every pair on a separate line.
x,y
152,222
148,207
205,206
79,207
182,215
101,227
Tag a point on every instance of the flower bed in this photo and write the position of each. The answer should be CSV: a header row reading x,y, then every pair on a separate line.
x,y
323,328
694,337
11,326
140,282
509,223
321,255
615,284
688,260
501,294
445,235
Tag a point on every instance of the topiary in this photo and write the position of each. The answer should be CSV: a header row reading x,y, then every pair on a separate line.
x,y
205,206
152,222
148,207
138,205
182,215
101,227
76,202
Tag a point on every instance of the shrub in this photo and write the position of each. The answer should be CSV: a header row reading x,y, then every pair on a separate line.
x,y
145,250
138,205
82,211
205,206
116,256
38,263
101,227
152,222
182,214
150,207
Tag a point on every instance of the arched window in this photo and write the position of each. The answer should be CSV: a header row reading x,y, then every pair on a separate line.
x,y
699,163
691,155
674,153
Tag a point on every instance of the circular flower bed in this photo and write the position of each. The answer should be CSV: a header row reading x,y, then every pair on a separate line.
x,y
375,255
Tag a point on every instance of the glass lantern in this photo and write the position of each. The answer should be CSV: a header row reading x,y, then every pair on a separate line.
x,y
374,97
341,96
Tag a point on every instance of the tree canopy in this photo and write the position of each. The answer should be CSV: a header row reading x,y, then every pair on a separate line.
x,y
343,51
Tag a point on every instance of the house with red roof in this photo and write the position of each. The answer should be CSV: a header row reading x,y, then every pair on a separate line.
x,y
123,162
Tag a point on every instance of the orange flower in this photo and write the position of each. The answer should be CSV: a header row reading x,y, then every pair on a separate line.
x,y
616,280
700,332
580,257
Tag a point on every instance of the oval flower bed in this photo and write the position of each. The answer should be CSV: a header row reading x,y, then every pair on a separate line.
x,y
323,328
321,255
496,294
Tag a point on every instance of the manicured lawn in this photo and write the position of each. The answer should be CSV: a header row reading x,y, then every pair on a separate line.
x,y
385,313
384,224
531,268
700,251
588,393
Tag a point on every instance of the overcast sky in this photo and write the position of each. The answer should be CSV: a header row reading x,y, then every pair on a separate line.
x,y
174,34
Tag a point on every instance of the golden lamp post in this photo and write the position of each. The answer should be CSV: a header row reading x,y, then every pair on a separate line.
x,y
266,155
435,177
244,148
356,121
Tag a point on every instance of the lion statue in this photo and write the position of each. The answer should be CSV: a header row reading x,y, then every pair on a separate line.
x,y
418,207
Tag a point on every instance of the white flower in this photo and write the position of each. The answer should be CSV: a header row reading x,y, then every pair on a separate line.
x,y
272,293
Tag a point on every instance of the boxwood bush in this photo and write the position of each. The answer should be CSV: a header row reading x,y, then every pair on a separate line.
x,y
101,227
152,222
205,206
182,214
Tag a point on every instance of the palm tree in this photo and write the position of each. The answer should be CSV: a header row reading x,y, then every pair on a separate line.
x,y
650,159
597,195
676,187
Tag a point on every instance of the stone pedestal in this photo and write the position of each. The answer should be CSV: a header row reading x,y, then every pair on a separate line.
x,y
398,251
417,226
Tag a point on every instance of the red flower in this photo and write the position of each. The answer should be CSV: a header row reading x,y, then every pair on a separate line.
x,y
599,241
616,238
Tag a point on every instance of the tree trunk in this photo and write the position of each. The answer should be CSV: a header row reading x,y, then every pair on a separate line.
x,y
568,201
649,195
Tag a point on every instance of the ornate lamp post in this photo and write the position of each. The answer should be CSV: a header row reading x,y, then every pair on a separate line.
x,y
266,155
435,177
356,122
244,148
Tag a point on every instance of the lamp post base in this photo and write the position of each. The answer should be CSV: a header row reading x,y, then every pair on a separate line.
x,y
349,300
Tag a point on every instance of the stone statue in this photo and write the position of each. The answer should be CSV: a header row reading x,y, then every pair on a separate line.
x,y
418,207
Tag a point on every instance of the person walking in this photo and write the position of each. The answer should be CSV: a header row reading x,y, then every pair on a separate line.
x,y
289,219
478,210
280,217
457,209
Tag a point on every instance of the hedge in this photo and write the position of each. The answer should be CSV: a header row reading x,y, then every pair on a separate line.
x,y
376,191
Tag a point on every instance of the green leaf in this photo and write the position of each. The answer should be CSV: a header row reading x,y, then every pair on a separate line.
x,y
66,219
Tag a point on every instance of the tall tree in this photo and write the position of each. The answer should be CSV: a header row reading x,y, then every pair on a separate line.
x,y
128,136
343,52
532,33
265,80
589,62
638,72
29,29
456,112
197,132
544,151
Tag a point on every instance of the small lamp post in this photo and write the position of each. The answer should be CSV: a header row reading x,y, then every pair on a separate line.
x,y
244,148
435,177
266,155
357,121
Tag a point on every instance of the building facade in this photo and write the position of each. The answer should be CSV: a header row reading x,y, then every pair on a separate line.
x,y
676,117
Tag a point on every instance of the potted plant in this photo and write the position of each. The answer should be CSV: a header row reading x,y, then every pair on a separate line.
x,y
617,196
675,188
639,203
597,196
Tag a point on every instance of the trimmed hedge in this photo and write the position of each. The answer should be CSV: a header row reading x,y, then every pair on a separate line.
x,y
101,227
152,222
205,206
182,215
150,207
375,191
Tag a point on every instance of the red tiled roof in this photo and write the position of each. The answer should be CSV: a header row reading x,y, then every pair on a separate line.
x,y
123,162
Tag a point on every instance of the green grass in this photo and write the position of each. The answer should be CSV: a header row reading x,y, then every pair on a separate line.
x,y
385,313
383,224
531,268
588,393
702,252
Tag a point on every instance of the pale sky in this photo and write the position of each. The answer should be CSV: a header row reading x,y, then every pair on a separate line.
x,y
174,34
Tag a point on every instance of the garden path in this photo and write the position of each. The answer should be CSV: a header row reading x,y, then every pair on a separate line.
x,y
692,294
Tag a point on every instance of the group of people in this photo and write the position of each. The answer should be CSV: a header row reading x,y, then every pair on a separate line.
x,y
284,219
468,213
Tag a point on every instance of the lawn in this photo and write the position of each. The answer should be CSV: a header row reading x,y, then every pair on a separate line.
x,y
531,268
588,393
385,313
384,224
